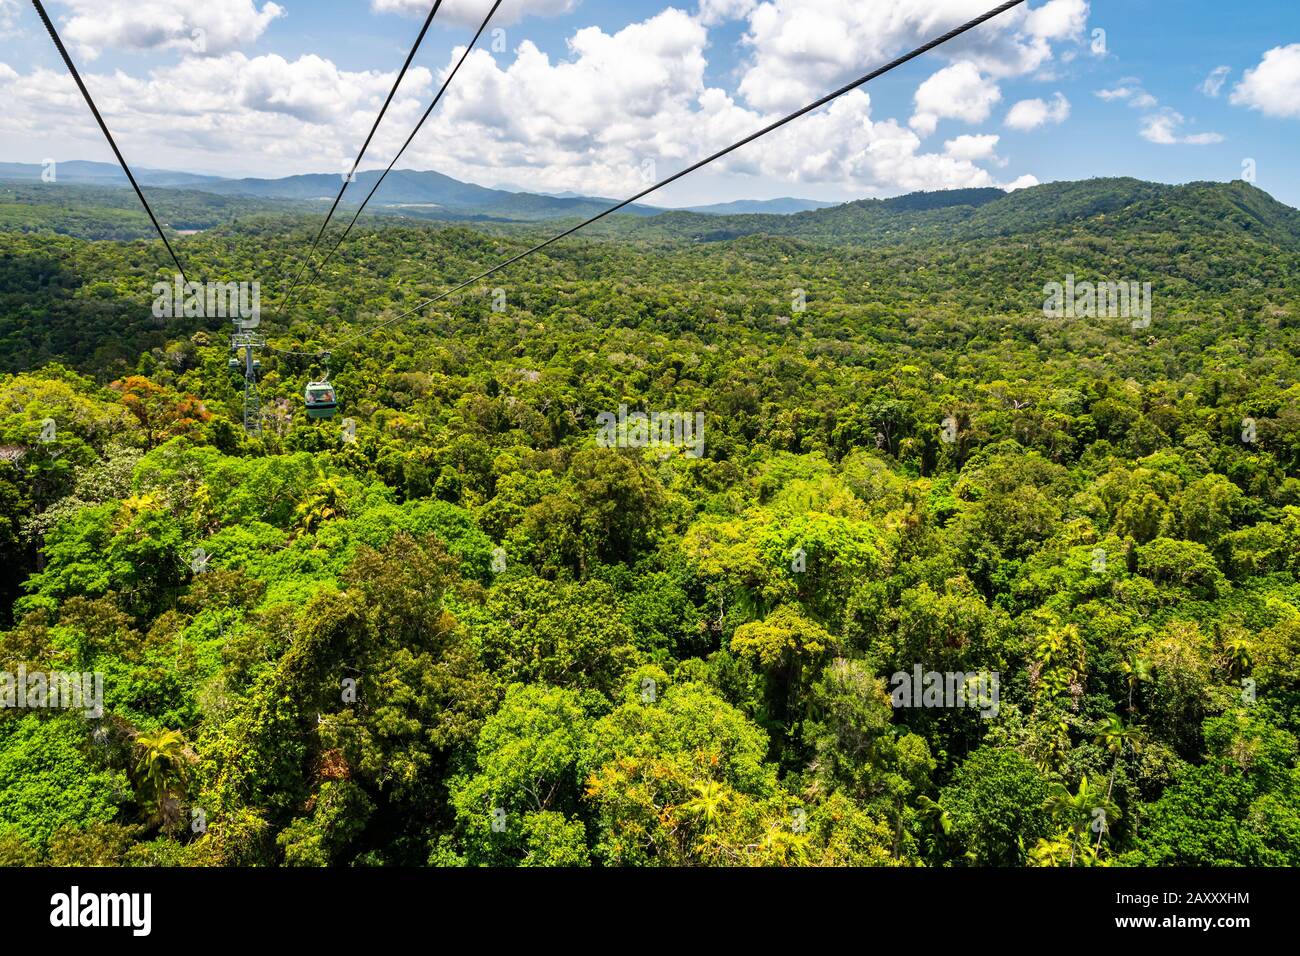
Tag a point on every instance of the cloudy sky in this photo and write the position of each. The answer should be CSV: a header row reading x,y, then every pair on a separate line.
x,y
595,95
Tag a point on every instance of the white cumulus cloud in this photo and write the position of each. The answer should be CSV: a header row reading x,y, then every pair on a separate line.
x,y
472,12
1117,93
277,115
1163,128
1031,114
802,48
1022,182
211,27
1135,96
972,147
960,92
1272,87
612,113
1058,20
628,103
713,12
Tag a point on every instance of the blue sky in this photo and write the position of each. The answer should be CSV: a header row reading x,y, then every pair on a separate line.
x,y
595,96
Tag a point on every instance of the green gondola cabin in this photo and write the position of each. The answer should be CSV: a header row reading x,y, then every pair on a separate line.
x,y
322,401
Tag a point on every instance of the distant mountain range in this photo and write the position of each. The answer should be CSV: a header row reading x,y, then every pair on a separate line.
x,y
778,207
85,173
409,192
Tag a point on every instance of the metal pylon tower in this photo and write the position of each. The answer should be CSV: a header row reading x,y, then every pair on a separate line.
x,y
249,343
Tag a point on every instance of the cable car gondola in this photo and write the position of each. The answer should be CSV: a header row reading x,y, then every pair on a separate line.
x,y
321,399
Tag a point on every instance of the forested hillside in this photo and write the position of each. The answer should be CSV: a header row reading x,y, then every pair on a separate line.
x,y
473,634
1113,208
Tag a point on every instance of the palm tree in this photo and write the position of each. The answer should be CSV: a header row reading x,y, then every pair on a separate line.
x,y
1136,670
936,816
323,502
1118,737
1237,651
710,797
1077,812
1051,852
934,813
783,847
162,770
1057,850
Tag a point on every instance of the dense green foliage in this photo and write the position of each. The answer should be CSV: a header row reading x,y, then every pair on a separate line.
x,y
475,636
